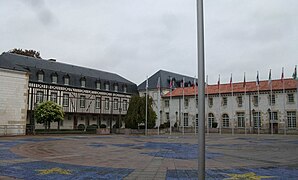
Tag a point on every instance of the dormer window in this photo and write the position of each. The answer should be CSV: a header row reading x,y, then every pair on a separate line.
x,y
83,82
125,88
54,78
40,76
115,87
98,85
66,80
107,86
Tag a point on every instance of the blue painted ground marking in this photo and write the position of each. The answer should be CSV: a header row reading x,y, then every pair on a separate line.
x,y
31,171
123,145
274,173
96,145
177,150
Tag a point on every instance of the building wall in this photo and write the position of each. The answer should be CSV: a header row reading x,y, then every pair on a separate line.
x,y
108,111
13,98
281,106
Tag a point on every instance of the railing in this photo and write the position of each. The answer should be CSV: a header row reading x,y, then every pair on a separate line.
x,y
7,130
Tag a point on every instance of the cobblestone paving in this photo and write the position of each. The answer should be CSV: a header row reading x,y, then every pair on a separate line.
x,y
152,157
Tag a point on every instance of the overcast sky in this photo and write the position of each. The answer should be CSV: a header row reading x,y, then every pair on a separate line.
x,y
136,38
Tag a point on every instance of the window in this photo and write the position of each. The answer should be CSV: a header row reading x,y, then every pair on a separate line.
x,y
291,98
66,80
39,96
82,101
83,82
54,79
65,100
224,101
257,119
168,116
210,101
197,101
291,119
98,85
40,76
211,120
274,115
271,99
107,103
185,102
185,119
124,105
225,120
241,119
197,120
116,87
115,104
256,100
167,103
107,86
240,101
125,88
97,102
53,97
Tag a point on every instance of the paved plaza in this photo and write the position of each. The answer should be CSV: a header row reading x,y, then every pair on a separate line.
x,y
153,157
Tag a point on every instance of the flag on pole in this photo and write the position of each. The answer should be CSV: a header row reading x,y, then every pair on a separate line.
x,y
171,83
269,79
244,81
218,82
231,80
147,83
282,75
158,83
257,81
295,73
194,83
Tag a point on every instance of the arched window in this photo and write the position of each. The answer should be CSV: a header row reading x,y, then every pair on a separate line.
x,y
98,84
107,86
225,120
116,87
83,82
54,78
66,79
40,76
210,120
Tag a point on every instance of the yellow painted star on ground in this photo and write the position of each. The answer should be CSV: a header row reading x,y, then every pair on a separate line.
x,y
54,171
247,176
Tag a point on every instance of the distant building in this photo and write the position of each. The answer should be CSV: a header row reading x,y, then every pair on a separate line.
x,y
226,113
164,87
87,96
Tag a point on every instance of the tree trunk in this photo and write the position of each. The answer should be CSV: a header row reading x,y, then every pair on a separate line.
x,y
58,125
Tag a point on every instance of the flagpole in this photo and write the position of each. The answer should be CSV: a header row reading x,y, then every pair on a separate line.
x,y
232,106
271,103
244,104
207,106
146,107
219,104
259,114
171,85
158,102
195,87
284,100
201,90
183,109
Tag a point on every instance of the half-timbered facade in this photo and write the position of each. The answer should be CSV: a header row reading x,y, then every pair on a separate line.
x,y
87,96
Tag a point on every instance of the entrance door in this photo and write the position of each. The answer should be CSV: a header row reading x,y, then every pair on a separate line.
x,y
275,128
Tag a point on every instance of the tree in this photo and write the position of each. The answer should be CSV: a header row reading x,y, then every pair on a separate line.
x,y
48,112
30,53
136,113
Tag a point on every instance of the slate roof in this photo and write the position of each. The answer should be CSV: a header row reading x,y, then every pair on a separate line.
x,y
75,73
165,80
290,84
